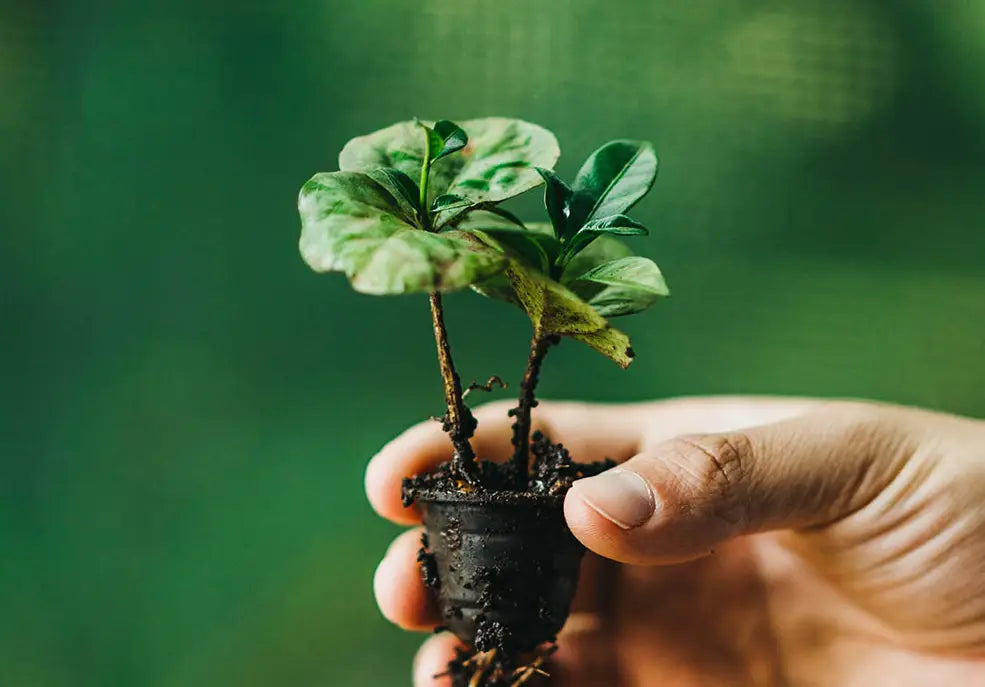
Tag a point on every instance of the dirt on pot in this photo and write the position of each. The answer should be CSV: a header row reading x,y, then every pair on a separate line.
x,y
500,561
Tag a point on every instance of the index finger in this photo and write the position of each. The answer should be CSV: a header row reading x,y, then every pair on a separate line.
x,y
591,432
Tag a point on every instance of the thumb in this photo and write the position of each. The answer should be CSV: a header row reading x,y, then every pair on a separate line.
x,y
677,500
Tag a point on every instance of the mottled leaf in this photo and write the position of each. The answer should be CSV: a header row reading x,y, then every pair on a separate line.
x,y
350,223
497,163
554,309
612,180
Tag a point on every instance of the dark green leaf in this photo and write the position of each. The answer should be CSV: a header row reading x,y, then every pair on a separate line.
x,y
453,138
400,187
350,223
603,249
449,201
505,235
612,180
557,195
628,285
505,214
524,245
616,225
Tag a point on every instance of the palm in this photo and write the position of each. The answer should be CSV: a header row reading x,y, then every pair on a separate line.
x,y
754,613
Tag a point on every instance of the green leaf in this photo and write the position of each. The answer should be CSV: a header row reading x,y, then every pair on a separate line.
x,y
553,309
497,163
451,136
449,201
629,285
351,223
482,222
505,214
616,225
612,180
400,187
603,249
519,243
557,195
534,244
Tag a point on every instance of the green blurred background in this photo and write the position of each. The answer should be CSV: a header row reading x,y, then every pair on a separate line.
x,y
187,410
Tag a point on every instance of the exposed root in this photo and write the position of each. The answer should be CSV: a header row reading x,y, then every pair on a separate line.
x,y
495,380
482,662
524,673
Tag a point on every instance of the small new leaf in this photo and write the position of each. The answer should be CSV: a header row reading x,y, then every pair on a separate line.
x,y
453,138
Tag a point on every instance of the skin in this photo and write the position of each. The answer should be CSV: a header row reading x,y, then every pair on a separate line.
x,y
788,542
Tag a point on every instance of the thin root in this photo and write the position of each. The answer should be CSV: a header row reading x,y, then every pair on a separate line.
x,y
482,661
524,673
488,386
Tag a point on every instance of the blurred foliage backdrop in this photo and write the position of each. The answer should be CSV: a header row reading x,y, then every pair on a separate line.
x,y
187,410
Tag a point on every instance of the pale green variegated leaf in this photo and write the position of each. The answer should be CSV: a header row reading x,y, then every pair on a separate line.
x,y
612,180
497,163
350,223
622,287
553,309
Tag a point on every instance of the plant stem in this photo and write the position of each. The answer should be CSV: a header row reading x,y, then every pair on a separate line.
x,y
458,420
539,346
422,207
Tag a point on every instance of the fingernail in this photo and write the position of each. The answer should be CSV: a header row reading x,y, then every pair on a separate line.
x,y
620,496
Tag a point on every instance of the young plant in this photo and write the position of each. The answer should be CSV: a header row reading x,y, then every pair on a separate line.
x,y
414,208
391,234
571,275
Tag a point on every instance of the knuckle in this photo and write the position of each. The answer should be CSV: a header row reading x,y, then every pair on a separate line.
x,y
713,467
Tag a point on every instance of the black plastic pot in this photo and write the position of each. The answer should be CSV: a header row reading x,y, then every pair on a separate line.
x,y
506,566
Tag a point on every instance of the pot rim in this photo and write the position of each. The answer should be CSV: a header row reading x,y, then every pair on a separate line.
x,y
517,499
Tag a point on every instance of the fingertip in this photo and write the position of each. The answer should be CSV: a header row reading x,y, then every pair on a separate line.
x,y
383,485
400,593
589,527
432,660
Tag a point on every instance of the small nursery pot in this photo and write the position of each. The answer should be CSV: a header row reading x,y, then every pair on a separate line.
x,y
503,565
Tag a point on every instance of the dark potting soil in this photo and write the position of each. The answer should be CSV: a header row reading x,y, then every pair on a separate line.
x,y
501,561
551,473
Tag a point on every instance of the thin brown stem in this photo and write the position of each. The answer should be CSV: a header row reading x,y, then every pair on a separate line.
x,y
539,346
458,420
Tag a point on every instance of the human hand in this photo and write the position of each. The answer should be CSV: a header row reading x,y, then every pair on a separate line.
x,y
865,563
